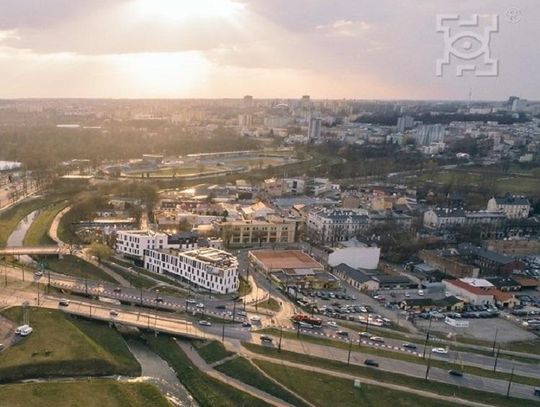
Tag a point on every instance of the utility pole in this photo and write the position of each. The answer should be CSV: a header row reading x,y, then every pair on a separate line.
x,y
495,341
223,331
510,382
496,358
428,366
349,354
427,337
280,338
38,293
5,276
234,312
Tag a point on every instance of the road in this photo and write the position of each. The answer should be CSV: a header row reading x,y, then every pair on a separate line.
x,y
176,325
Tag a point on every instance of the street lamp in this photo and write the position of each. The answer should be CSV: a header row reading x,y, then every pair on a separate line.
x,y
427,337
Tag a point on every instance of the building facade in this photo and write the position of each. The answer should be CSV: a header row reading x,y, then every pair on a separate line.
x,y
133,243
336,225
208,268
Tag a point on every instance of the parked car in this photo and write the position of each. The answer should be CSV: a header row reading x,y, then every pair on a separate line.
x,y
24,330
440,351
371,362
266,338
246,325
63,302
199,305
203,322
332,324
38,274
454,372
365,335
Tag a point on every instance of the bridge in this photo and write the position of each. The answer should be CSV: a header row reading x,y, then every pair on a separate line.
x,y
34,250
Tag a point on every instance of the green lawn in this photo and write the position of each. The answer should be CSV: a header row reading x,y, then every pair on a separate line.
x,y
389,377
404,356
94,393
77,267
207,391
38,233
244,288
324,390
136,279
243,370
271,304
63,347
211,351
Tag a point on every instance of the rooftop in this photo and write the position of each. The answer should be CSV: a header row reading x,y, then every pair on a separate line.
x,y
285,259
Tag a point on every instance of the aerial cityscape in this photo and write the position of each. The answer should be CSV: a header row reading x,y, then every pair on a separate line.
x,y
226,203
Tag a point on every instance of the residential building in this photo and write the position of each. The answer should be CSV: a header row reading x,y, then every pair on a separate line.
x,y
208,268
480,292
133,243
249,232
314,128
444,218
335,225
514,207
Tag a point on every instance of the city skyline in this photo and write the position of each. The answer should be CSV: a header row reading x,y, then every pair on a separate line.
x,y
226,48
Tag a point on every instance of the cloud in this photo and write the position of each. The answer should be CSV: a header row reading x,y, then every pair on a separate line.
x,y
344,28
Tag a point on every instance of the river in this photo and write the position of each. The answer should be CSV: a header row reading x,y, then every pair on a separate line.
x,y
17,236
156,371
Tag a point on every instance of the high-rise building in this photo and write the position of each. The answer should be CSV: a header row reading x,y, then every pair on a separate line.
x,y
305,101
314,129
428,134
405,123
245,121
248,101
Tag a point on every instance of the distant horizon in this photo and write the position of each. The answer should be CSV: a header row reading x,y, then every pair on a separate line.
x,y
211,49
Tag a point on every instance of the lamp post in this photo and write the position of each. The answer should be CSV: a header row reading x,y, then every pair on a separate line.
x,y
427,338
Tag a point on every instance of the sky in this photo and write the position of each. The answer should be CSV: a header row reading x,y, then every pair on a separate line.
x,y
362,49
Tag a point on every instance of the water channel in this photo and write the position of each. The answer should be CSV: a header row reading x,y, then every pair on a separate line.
x,y
17,236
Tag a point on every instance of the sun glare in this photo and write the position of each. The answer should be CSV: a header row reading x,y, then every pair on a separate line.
x,y
186,9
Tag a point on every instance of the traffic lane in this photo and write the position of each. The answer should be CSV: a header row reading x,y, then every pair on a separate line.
x,y
408,368
469,358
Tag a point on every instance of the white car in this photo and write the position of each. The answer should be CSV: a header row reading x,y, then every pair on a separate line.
x,y
200,305
24,330
332,324
376,339
204,323
440,351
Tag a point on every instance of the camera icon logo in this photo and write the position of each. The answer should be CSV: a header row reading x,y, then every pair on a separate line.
x,y
467,44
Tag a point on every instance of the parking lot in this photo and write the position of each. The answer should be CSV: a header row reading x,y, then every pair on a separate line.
x,y
481,328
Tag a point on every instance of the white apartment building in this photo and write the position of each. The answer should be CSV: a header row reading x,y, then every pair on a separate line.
x,y
133,243
212,269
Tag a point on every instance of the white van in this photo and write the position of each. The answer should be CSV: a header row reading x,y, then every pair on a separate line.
x,y
24,330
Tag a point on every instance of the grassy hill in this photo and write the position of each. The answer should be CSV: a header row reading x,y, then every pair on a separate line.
x,y
63,347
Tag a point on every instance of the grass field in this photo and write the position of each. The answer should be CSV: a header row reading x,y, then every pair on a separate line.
x,y
76,267
137,280
207,391
406,357
498,183
244,288
37,234
243,370
270,304
61,347
321,390
389,377
94,393
211,351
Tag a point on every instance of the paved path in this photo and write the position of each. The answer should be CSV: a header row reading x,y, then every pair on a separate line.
x,y
204,367
53,230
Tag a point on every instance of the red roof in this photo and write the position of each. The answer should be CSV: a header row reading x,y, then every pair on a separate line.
x,y
468,287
